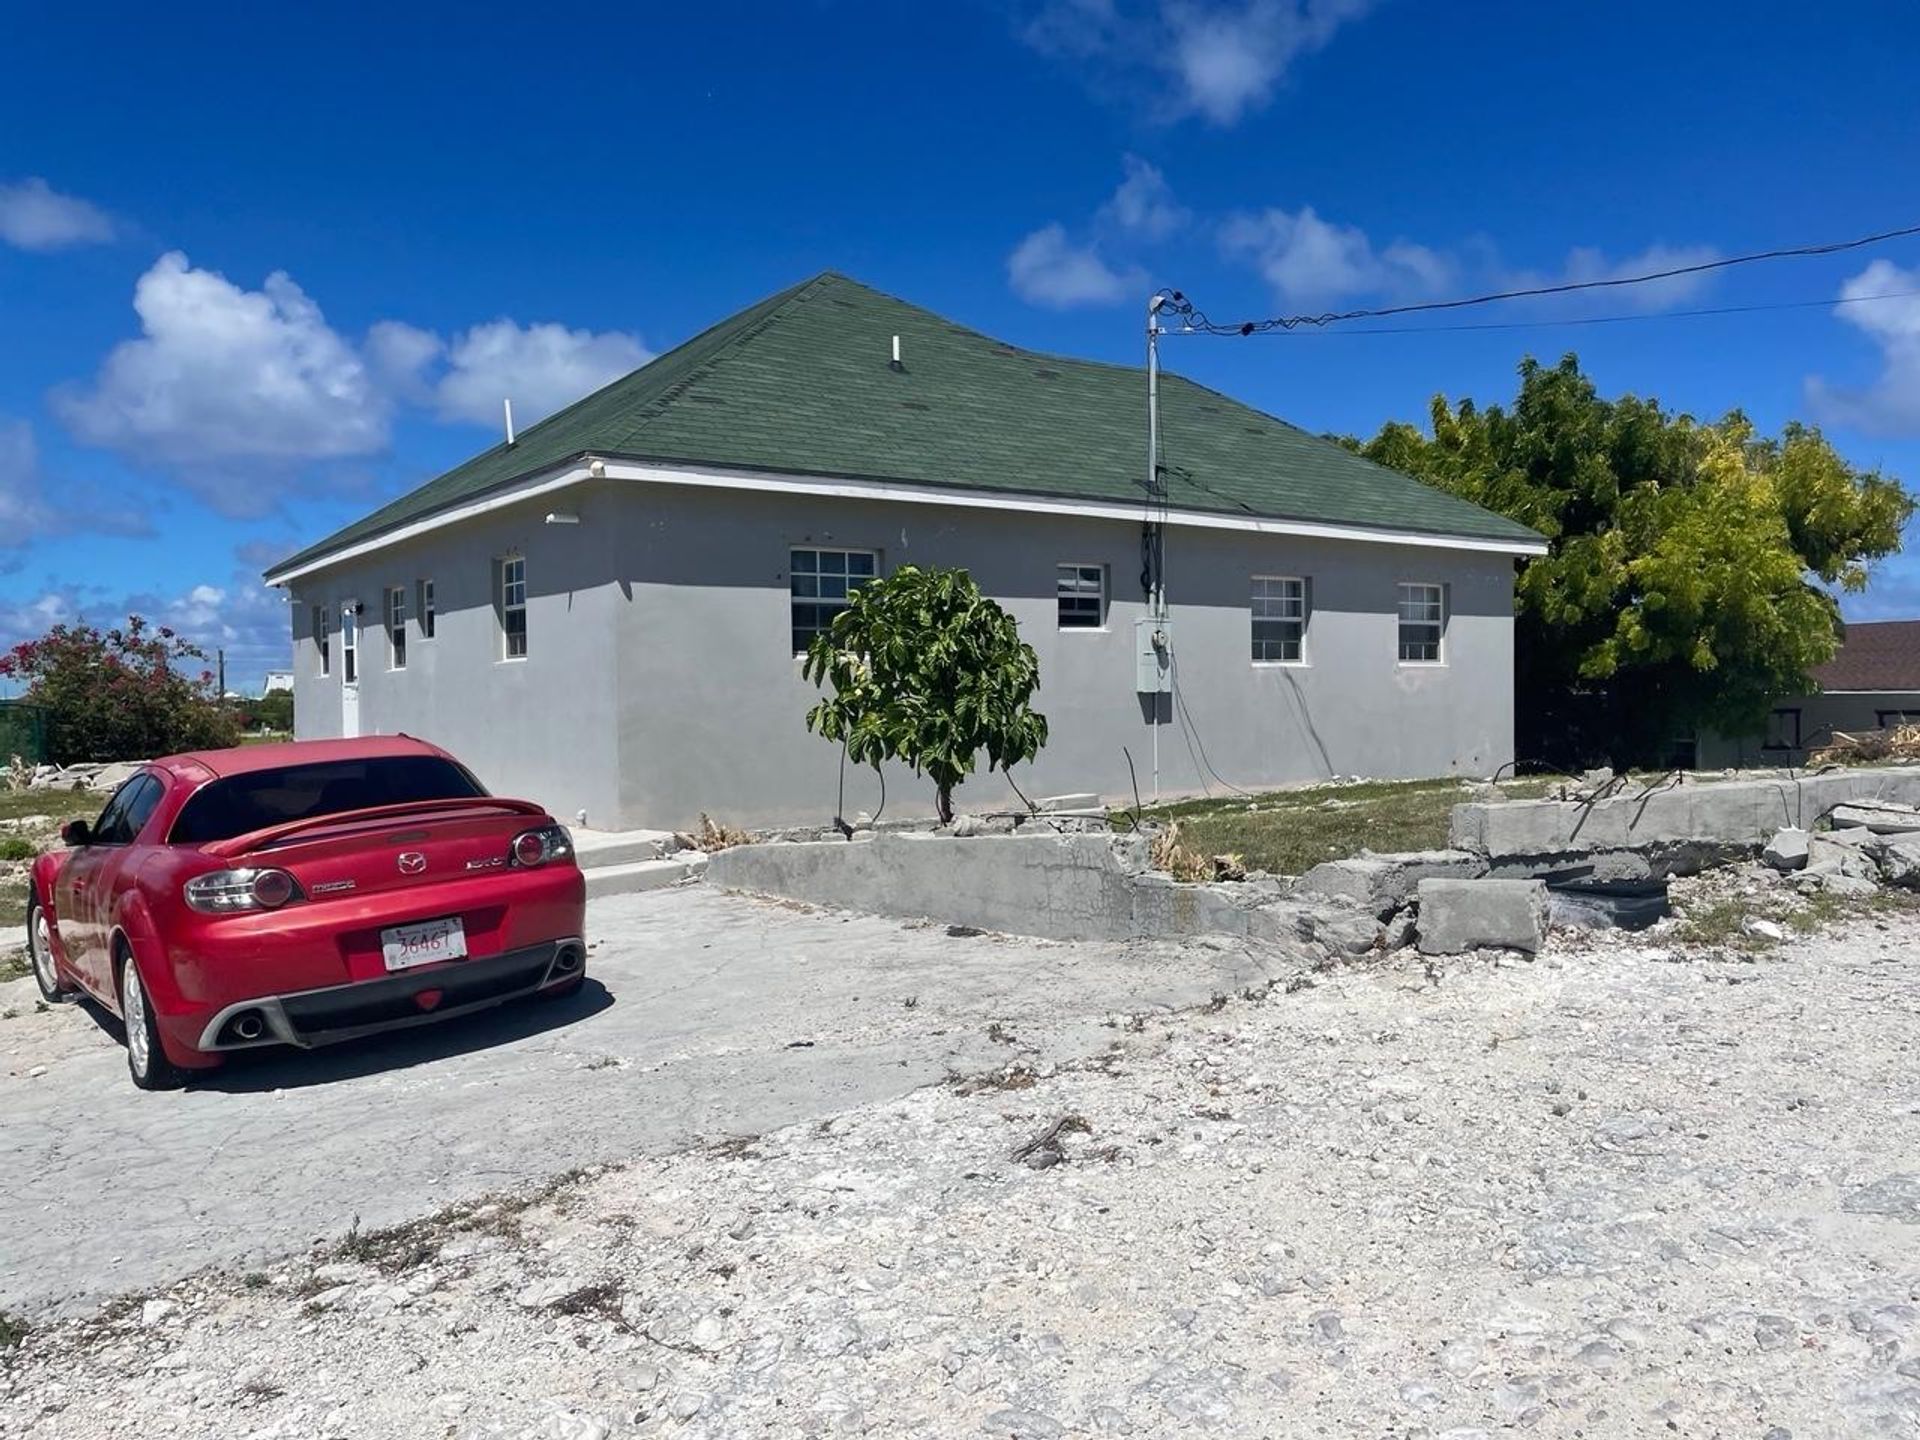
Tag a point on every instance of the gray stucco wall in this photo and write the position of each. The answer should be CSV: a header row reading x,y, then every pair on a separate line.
x,y
541,727
661,682
1820,716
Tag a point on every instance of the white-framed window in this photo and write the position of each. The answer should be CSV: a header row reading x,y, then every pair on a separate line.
x,y
1082,592
423,591
349,642
397,628
510,603
820,582
1279,620
1423,622
323,642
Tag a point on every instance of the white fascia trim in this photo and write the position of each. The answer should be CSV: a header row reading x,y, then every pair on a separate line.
x,y
549,481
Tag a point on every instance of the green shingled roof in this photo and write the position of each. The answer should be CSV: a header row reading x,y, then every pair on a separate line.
x,y
800,383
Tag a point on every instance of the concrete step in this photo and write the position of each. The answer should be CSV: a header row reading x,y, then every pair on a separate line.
x,y
638,875
597,849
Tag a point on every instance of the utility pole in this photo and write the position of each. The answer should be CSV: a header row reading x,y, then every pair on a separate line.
x,y
1152,641
221,657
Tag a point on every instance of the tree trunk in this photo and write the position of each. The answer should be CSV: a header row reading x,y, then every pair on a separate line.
x,y
943,803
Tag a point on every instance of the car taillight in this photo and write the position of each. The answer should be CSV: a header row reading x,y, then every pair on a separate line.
x,y
537,847
226,892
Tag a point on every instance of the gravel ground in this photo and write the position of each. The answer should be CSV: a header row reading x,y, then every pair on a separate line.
x,y
1627,1189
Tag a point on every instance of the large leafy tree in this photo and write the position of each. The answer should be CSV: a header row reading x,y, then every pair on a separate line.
x,y
926,670
1692,571
129,693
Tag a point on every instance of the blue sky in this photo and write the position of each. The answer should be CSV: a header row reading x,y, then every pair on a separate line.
x,y
262,268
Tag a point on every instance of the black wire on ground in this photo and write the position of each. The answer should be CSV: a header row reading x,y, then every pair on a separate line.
x,y
1131,775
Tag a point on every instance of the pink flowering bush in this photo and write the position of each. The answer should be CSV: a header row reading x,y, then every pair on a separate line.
x,y
124,694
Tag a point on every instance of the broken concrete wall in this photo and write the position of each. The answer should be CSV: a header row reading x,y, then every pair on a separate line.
x,y
1695,815
1062,887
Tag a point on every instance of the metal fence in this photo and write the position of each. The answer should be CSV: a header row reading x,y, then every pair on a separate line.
x,y
23,732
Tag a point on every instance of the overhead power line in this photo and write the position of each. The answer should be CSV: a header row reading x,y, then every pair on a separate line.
x,y
1647,315
1196,321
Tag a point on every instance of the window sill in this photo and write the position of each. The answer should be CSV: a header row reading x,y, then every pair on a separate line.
x,y
1423,664
511,660
1083,630
1281,665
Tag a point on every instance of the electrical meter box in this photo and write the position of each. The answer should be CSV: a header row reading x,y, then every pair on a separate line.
x,y
1153,656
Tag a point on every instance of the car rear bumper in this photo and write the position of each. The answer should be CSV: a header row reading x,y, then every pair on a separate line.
x,y
417,997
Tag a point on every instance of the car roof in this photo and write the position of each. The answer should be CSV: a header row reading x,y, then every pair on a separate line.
x,y
246,759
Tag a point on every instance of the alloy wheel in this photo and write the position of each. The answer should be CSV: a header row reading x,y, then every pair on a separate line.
x,y
134,1002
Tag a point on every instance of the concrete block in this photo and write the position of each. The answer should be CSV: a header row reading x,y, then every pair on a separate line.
x,y
1063,887
621,847
634,877
1461,915
1381,884
1049,803
1876,819
1787,850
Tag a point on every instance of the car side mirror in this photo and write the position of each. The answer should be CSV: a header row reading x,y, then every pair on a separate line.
x,y
76,833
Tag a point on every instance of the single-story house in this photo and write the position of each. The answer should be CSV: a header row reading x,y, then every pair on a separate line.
x,y
606,612
1871,683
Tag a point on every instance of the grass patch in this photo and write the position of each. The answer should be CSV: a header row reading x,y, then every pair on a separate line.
x,y
13,903
1719,922
17,847
67,804
12,1330
14,965
1290,831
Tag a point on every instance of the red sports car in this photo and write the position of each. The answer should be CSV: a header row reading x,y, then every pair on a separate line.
x,y
302,893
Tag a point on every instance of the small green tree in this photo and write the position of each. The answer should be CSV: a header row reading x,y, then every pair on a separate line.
x,y
121,694
928,671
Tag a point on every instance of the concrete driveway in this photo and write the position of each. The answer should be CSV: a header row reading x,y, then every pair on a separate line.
x,y
704,1016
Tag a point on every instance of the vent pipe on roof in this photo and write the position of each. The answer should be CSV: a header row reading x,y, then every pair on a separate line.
x,y
894,364
507,405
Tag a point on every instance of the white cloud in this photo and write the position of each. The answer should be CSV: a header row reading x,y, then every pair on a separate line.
x,y
26,511
239,391
35,216
1225,59
1051,268
1586,265
539,367
1048,269
224,375
1311,261
1144,204
1890,405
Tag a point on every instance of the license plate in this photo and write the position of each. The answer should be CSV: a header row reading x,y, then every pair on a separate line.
x,y
405,946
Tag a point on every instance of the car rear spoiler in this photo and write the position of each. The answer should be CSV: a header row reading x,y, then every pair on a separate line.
x,y
279,834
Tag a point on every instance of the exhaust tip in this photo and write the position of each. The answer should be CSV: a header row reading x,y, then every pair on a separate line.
x,y
567,961
247,1025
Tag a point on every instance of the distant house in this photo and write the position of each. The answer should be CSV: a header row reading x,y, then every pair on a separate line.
x,y
606,614
1872,683
277,680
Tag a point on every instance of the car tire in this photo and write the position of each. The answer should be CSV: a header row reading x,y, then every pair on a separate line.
x,y
46,970
147,1060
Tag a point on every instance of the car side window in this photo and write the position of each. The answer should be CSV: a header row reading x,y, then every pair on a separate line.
x,y
141,807
127,811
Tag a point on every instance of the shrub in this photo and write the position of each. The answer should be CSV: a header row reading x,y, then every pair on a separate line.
x,y
928,671
121,694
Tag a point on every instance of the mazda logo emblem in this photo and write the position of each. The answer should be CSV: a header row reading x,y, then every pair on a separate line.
x,y
412,862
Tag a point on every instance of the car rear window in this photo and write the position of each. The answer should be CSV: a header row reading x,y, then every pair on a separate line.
x,y
241,804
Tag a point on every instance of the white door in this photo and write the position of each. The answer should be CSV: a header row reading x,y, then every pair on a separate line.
x,y
350,669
